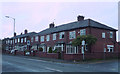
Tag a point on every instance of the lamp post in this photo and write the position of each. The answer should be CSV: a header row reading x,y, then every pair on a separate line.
x,y
14,22
13,28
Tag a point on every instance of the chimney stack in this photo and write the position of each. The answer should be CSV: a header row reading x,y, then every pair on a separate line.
x,y
14,34
25,32
80,18
21,34
51,25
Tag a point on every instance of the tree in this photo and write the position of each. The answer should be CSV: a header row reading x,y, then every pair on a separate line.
x,y
89,39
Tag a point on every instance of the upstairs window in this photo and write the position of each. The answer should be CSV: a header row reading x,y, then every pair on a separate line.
x,y
72,35
15,40
31,39
42,38
83,32
21,40
54,36
8,41
24,39
61,35
111,34
48,38
103,35
36,38
18,40
11,41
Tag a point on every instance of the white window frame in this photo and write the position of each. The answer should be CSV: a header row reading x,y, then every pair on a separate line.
x,y
83,32
8,41
25,39
48,38
61,34
103,34
71,48
31,39
111,34
42,38
36,38
72,35
11,41
21,40
18,40
54,36
110,47
15,40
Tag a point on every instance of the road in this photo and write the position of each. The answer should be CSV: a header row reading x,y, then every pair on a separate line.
x,y
23,64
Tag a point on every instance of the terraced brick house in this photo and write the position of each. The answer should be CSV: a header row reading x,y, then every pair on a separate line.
x,y
60,37
20,42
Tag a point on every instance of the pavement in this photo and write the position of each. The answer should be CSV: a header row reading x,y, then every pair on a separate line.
x,y
12,63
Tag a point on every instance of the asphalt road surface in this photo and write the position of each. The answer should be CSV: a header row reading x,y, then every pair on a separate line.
x,y
23,64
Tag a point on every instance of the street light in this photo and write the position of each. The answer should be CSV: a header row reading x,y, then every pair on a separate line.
x,y
14,21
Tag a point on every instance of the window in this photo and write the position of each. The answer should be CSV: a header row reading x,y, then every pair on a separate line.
x,y
42,38
24,39
54,36
83,32
21,40
103,35
18,40
8,41
72,35
47,37
32,39
110,48
36,38
61,35
71,49
11,41
111,34
15,40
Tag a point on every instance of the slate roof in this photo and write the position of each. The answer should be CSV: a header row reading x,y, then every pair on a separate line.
x,y
74,25
24,35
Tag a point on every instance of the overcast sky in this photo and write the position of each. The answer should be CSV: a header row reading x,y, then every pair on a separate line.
x,y
36,16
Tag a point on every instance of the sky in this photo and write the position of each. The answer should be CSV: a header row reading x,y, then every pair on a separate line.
x,y
36,16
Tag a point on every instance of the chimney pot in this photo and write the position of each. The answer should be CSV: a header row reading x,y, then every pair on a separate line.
x,y
25,32
51,25
79,18
14,33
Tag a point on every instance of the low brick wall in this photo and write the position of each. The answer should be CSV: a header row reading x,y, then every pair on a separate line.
x,y
90,56
47,55
20,53
8,52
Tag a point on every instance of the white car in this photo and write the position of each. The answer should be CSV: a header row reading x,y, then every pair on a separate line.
x,y
27,53
13,50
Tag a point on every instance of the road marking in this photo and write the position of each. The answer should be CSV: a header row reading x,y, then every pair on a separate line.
x,y
53,69
21,67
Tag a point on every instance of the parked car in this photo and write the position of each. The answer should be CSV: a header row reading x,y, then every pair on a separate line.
x,y
13,50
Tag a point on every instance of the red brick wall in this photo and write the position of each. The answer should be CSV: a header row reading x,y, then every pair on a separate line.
x,y
47,55
90,56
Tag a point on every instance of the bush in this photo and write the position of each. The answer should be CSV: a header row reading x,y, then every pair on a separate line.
x,y
27,51
50,50
40,49
55,51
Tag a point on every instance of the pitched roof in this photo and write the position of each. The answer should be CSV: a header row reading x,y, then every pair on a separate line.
x,y
24,35
74,25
